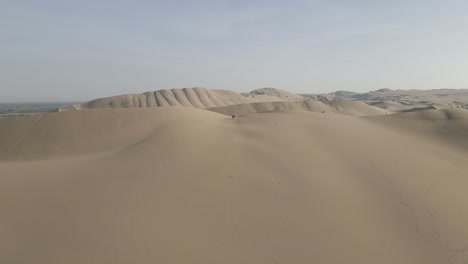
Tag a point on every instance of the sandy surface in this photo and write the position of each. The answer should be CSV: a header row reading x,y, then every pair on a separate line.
x,y
183,185
408,100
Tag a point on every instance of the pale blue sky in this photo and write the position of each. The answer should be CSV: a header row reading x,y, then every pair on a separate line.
x,y
85,49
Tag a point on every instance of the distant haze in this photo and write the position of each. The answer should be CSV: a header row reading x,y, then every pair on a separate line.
x,y
34,99
80,50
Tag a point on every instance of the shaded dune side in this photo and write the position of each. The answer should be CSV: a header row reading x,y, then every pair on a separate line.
x,y
186,97
406,106
414,109
354,108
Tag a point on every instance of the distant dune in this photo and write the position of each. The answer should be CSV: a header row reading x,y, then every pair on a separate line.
x,y
408,100
184,185
187,97
353,108
219,100
230,103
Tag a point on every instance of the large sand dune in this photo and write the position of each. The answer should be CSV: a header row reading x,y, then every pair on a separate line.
x,y
225,101
183,185
187,97
231,103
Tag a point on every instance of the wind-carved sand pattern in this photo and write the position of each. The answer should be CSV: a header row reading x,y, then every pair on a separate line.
x,y
170,177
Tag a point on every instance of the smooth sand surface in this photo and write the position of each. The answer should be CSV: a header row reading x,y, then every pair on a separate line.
x,y
183,185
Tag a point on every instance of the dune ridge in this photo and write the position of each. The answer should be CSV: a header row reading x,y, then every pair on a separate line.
x,y
230,103
354,108
188,97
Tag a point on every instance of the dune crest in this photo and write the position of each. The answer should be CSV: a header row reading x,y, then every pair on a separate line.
x,y
188,97
231,103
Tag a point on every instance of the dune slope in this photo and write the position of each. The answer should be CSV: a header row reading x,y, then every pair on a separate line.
x,y
182,185
188,97
353,108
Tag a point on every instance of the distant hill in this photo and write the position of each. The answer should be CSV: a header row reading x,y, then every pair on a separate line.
x,y
188,97
404,100
203,98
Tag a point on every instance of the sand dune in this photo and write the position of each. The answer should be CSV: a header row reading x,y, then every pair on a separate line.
x,y
78,132
449,125
187,97
408,100
389,100
354,108
182,185
275,93
404,106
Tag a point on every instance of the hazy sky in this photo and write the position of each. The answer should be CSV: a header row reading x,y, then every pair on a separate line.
x,y
86,49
